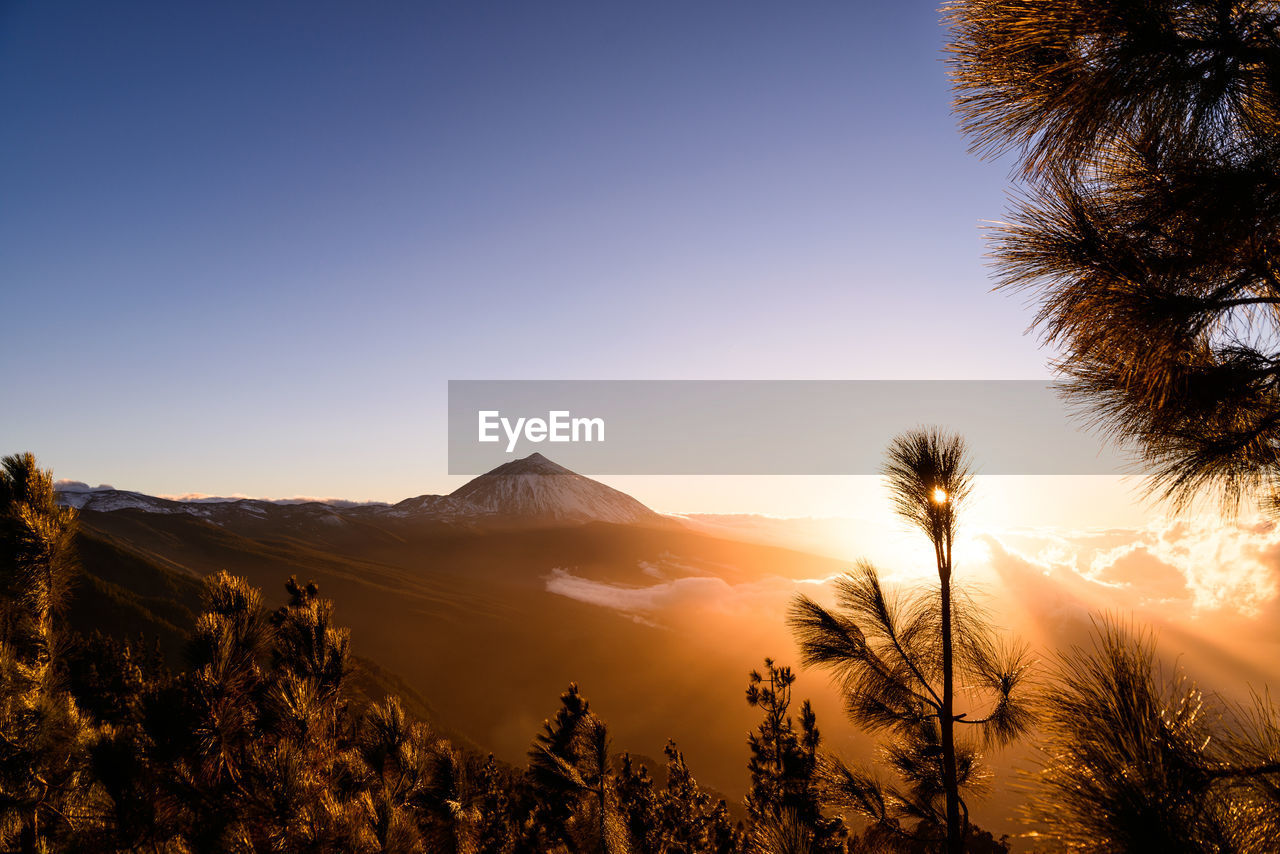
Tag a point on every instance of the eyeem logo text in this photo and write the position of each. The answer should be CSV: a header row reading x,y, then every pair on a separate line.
x,y
558,426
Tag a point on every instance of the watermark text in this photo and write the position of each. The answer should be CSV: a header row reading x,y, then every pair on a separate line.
x,y
558,426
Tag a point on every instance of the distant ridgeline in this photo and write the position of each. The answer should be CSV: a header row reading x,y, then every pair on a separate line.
x,y
533,490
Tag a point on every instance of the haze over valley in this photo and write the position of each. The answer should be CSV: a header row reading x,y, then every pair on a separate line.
x,y
488,601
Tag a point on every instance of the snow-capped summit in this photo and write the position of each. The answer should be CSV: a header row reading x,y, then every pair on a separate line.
x,y
105,499
536,488
532,464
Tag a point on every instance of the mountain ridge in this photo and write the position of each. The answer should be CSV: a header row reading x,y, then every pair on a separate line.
x,y
530,490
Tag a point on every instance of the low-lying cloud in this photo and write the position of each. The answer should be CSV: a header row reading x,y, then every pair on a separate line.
x,y
697,593
80,486
1182,570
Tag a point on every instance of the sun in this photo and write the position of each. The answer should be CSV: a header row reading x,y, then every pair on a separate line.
x,y
940,496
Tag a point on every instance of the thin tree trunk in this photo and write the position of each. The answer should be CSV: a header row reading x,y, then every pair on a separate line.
x,y
946,720
775,716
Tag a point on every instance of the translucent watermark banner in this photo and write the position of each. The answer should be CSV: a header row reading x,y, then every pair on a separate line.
x,y
772,427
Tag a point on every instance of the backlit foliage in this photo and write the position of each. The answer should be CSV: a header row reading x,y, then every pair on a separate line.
x,y
902,659
1135,761
784,801
1148,135
256,744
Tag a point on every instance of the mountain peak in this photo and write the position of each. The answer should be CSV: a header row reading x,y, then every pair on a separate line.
x,y
536,488
532,464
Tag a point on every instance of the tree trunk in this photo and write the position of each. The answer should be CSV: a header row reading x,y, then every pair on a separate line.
x,y
946,721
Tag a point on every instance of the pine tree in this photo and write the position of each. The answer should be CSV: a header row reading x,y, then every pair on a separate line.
x,y
900,657
784,764
1148,136
424,793
638,803
253,747
450,814
569,765
224,696
306,720
496,831
397,753
684,819
682,808
114,682
1137,761
44,737
707,824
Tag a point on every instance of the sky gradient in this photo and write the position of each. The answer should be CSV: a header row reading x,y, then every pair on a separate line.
x,y
244,247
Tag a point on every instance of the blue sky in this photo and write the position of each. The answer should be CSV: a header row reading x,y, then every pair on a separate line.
x,y
244,246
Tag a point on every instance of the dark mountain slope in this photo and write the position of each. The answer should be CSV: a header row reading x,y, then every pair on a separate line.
x,y
124,595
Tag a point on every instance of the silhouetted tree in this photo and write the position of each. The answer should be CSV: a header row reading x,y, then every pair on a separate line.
x,y
689,820
394,751
107,676
254,746
1149,138
898,658
569,763
1135,762
450,801
783,796
423,793
112,681
724,835
675,818
44,737
497,803
225,696
306,719
638,803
